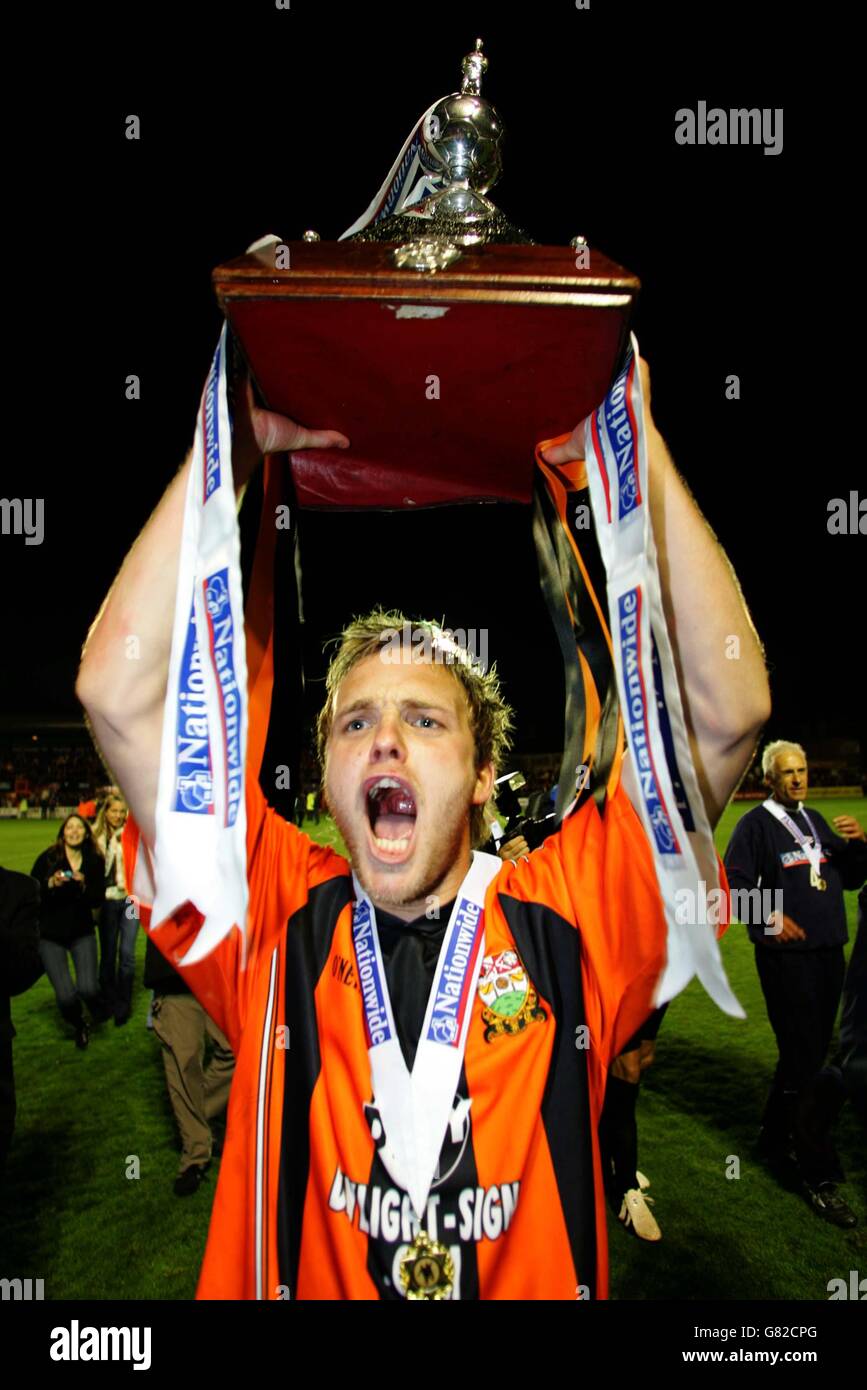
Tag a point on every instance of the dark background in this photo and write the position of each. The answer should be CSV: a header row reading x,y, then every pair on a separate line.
x,y
256,120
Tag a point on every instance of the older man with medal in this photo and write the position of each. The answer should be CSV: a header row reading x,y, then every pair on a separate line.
x,y
422,1031
782,847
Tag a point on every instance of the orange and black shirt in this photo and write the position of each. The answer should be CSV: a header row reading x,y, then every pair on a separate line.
x,y
304,1209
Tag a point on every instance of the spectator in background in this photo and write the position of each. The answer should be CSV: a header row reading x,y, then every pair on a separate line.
x,y
198,1093
853,1020
117,928
781,846
846,1077
87,809
20,967
70,875
44,798
512,849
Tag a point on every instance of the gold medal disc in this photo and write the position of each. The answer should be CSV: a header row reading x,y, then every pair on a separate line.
x,y
427,1270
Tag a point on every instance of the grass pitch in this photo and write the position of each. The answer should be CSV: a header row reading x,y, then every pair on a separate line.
x,y
74,1214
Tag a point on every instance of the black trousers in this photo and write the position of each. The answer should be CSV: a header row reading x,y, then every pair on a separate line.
x,y
846,1077
802,991
853,1022
618,1129
7,1097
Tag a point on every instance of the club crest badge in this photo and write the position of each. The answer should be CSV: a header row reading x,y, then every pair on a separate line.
x,y
507,994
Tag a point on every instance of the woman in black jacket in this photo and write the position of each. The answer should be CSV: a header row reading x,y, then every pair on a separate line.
x,y
70,874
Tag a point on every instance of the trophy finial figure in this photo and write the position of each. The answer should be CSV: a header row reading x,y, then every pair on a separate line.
x,y
463,142
475,64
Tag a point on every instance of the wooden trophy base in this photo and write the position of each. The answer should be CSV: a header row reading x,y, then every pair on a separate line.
x,y
444,381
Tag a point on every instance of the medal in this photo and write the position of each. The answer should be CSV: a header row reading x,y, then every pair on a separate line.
x,y
415,1107
812,848
427,1270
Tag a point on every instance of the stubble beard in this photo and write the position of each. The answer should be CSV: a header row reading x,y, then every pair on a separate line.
x,y
427,876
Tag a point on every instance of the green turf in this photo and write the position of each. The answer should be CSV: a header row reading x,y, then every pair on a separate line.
x,y
72,1217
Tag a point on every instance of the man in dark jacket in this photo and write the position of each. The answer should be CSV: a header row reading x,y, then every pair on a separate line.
x,y
784,847
846,1077
20,967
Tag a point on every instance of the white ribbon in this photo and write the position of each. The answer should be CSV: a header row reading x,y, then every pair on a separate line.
x,y
674,819
408,181
812,848
415,1107
201,824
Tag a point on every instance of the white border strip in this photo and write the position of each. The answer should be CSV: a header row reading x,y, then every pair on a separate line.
x,y
260,1126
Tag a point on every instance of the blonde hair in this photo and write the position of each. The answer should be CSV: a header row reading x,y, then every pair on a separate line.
x,y
773,751
100,833
490,717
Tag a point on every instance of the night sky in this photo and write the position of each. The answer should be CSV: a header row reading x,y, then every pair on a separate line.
x,y
256,120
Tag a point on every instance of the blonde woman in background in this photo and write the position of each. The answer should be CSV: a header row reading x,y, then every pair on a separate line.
x,y
117,926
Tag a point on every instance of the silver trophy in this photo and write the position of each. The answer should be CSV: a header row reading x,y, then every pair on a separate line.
x,y
463,138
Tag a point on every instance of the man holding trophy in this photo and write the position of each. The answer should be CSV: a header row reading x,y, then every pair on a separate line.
x,y
423,1034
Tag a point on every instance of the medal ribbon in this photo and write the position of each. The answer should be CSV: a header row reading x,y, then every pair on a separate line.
x,y
415,1107
813,850
659,775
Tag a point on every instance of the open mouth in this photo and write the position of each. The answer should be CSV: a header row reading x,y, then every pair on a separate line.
x,y
391,814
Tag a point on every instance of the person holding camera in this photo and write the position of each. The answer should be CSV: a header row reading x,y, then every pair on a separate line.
x,y
524,829
70,875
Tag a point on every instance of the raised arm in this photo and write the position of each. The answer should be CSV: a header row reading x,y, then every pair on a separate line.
x,y
124,698
717,652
